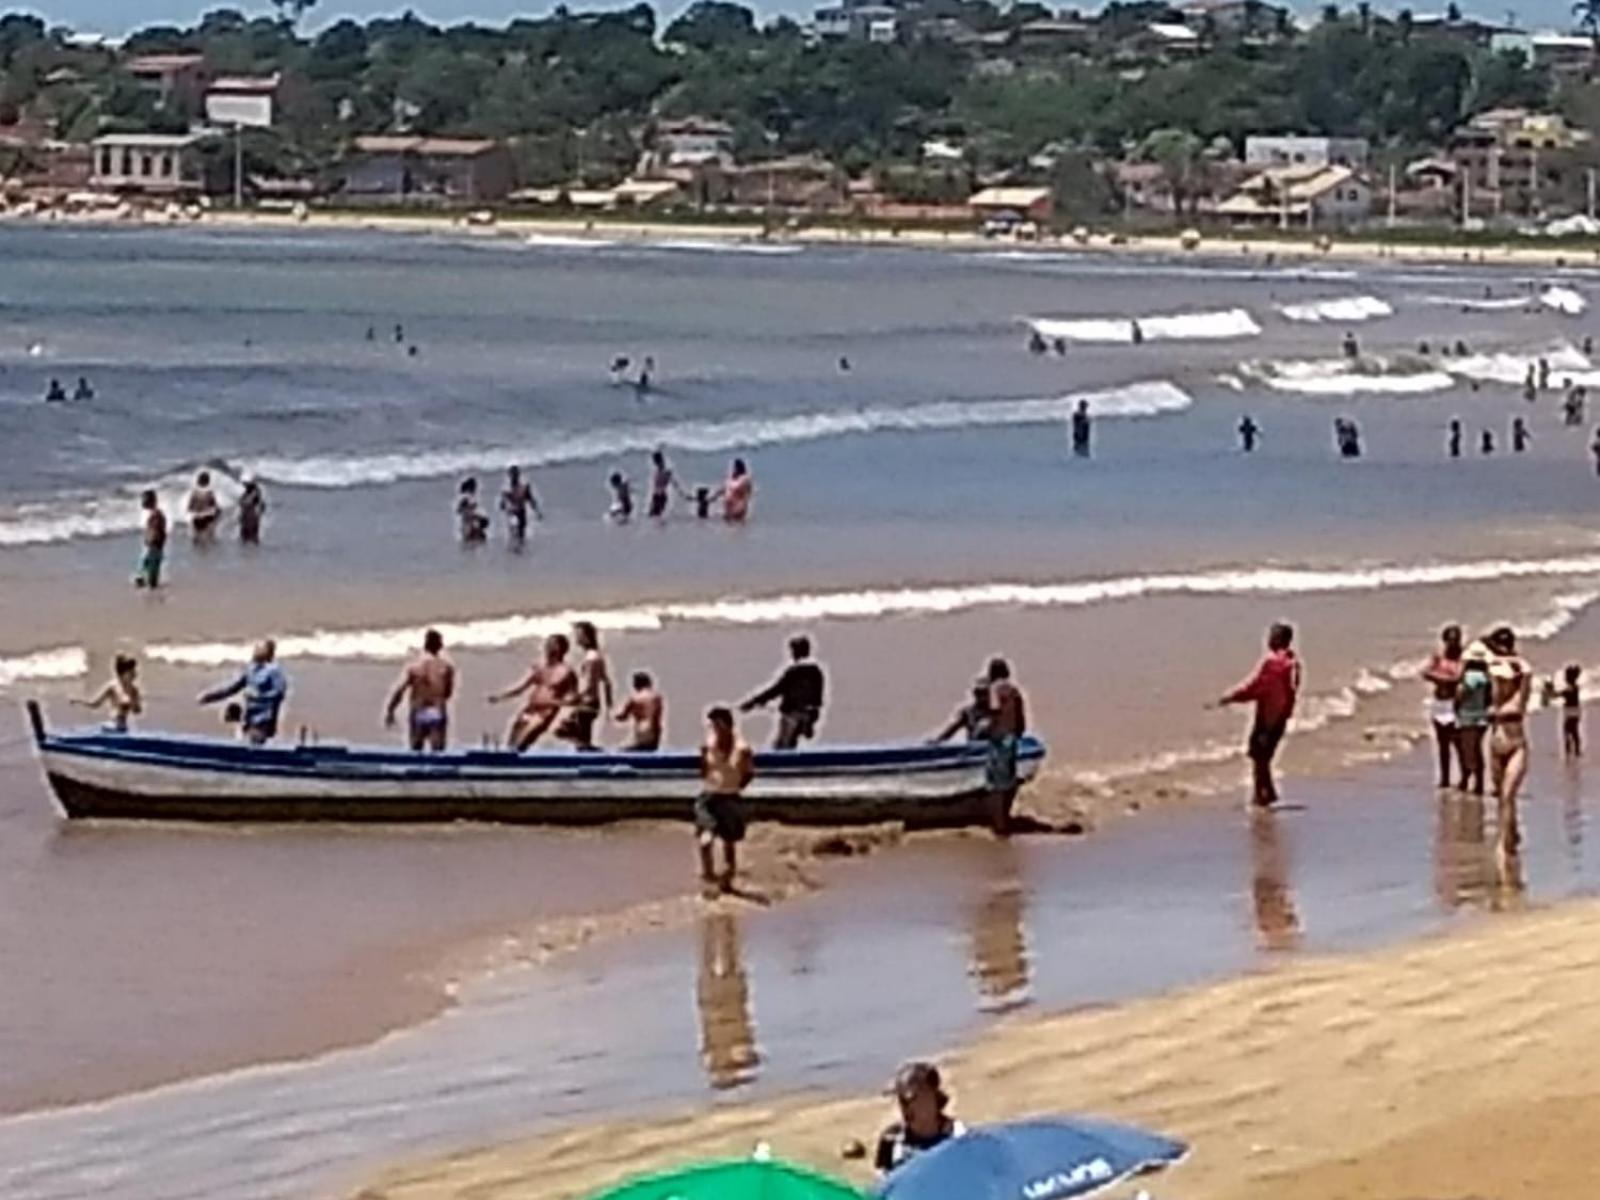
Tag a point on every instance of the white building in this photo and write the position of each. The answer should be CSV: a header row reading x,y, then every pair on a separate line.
x,y
234,100
153,163
1290,150
1313,197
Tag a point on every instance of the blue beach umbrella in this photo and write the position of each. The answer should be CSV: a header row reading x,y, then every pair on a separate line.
x,y
1031,1160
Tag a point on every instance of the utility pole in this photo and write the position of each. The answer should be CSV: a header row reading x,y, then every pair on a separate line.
x,y
238,166
1588,175
1391,194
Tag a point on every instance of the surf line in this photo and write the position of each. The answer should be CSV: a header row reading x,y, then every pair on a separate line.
x,y
496,632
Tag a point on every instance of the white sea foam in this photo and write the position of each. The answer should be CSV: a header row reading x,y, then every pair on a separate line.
x,y
715,246
64,662
1563,300
1511,367
1338,308
1346,377
1226,323
340,471
1482,304
395,642
556,241
101,516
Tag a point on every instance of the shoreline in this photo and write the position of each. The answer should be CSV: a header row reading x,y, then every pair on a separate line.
x,y
1290,1082
1276,247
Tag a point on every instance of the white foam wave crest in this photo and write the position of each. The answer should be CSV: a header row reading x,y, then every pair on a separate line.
x,y
556,241
713,246
1512,367
1563,300
799,608
35,524
63,662
1481,304
1207,326
341,471
1339,308
1346,377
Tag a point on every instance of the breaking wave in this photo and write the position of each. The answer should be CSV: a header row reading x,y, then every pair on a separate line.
x,y
1227,323
1512,367
712,246
1347,377
1342,308
488,633
555,241
117,512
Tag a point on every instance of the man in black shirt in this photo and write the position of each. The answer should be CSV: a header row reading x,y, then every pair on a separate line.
x,y
798,692
925,1120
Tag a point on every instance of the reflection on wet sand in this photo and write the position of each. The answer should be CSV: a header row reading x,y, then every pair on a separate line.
x,y
722,996
999,940
1464,870
1277,922
1572,815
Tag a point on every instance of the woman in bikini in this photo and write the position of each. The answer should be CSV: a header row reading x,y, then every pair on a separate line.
x,y
1512,686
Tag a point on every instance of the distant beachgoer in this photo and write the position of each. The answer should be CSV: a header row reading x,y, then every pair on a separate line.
x,y
593,695
1530,385
641,386
429,683
155,537
737,493
1008,722
1454,443
1136,332
925,1121
1036,342
83,391
1544,374
1249,431
1508,735
647,710
1571,696
1443,674
1422,349
1486,442
265,689
399,333
799,691
252,507
1572,407
621,510
1473,695
1347,437
1594,449
203,508
1352,348
1520,436
471,521
844,365
412,351
619,368
972,718
1588,345
1081,429
550,687
121,695
727,766
662,482
1461,348
55,393
517,501
1273,689
1060,345
372,333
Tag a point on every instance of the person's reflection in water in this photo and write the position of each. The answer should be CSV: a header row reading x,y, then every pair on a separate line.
x,y
1463,867
722,995
1277,923
1572,815
999,941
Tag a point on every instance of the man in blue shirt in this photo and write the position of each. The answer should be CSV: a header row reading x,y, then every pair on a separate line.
x,y
265,688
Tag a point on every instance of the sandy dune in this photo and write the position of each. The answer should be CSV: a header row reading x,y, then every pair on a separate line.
x,y
1452,1068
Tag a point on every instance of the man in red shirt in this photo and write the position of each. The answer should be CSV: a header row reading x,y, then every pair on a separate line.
x,y
1272,689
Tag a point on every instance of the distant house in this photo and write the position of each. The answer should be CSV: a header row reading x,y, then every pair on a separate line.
x,y
242,100
858,22
648,193
1240,18
176,80
1316,197
693,142
802,182
150,164
1166,40
1455,28
1289,150
1055,36
1509,156
47,165
1568,55
426,170
1145,185
1012,204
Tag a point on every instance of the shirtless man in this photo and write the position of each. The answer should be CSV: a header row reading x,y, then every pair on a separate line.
x,y
550,686
204,511
430,682
594,692
517,501
662,481
155,539
647,710
1511,684
737,491
1008,721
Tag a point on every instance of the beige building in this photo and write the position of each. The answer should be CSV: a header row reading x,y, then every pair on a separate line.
x,y
155,164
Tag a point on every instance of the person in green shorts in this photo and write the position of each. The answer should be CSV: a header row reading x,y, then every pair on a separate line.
x,y
155,542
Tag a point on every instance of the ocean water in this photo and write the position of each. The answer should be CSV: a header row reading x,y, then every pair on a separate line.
x,y
916,511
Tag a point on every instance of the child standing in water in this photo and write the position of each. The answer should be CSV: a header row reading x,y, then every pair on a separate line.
x,y
1571,693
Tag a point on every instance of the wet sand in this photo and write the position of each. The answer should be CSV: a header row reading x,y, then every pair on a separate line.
x,y
1458,1066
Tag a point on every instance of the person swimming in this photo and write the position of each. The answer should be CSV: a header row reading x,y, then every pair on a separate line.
x,y
55,394
471,520
83,391
1249,431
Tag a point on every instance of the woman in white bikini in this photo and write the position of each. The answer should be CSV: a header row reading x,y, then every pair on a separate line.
x,y
1512,686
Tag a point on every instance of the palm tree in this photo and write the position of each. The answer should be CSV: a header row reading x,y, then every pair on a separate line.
x,y
1588,14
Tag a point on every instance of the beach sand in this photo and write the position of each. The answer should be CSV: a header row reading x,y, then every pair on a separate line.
x,y
1455,1067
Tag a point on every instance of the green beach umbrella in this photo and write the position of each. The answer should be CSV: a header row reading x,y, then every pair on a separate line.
x,y
745,1179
